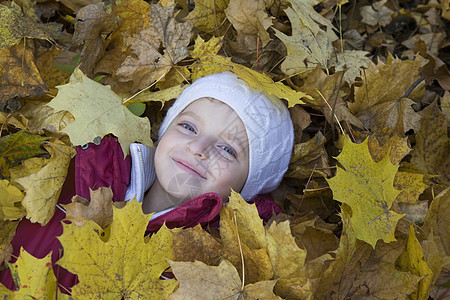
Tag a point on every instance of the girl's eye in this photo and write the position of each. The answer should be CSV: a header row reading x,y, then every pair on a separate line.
x,y
188,127
229,150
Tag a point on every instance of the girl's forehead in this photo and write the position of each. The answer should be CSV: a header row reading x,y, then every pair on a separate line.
x,y
205,108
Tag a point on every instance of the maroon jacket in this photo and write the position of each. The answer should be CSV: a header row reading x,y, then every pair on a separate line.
x,y
103,165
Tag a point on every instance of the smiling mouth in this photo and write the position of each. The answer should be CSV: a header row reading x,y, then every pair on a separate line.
x,y
188,168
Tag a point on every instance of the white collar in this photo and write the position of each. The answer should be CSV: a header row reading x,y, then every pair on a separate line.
x,y
142,171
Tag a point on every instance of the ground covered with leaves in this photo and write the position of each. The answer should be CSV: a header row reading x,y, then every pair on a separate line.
x,y
366,200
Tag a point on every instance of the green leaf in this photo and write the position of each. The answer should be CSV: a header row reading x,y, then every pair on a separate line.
x,y
137,108
17,147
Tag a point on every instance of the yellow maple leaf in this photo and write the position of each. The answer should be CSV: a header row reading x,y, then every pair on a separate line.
x,y
368,188
34,278
412,260
43,187
208,62
10,197
121,263
200,281
297,280
242,231
98,111
208,15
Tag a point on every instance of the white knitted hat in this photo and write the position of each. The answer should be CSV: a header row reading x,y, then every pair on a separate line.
x,y
267,122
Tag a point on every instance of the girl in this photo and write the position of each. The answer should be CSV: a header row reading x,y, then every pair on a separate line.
x,y
219,135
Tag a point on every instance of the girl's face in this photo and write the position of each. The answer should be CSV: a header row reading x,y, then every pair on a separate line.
x,y
205,149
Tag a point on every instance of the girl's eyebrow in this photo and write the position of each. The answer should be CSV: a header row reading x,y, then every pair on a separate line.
x,y
190,113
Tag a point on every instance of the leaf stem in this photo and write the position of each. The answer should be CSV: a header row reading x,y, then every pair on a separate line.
x,y
342,130
240,249
157,80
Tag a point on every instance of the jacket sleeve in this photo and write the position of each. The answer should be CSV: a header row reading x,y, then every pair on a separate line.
x,y
94,166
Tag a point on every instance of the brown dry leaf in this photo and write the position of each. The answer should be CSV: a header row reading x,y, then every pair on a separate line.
x,y
208,15
46,64
320,85
42,188
414,212
376,275
193,244
351,62
445,105
435,68
20,76
177,76
300,119
99,209
43,118
200,281
431,153
131,16
331,284
434,260
376,14
239,221
13,120
147,64
309,44
75,5
438,221
91,22
317,242
379,101
308,156
360,273
249,19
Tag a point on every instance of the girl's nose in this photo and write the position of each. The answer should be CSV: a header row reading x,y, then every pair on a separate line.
x,y
199,147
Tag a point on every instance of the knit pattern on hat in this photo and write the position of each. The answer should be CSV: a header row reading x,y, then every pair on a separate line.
x,y
267,122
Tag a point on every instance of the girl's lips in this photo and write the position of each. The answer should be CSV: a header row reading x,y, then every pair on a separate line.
x,y
188,167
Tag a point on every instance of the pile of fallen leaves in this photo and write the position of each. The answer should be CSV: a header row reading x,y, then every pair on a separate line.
x,y
366,199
